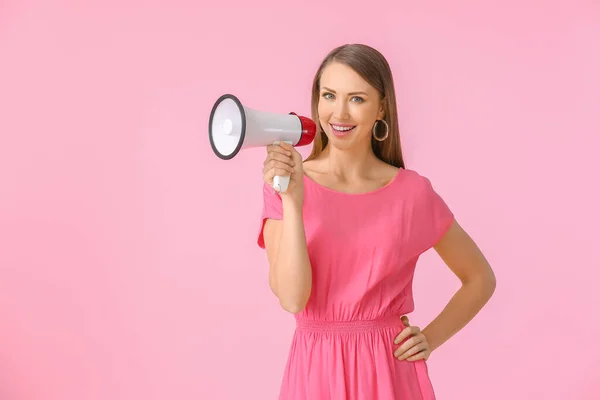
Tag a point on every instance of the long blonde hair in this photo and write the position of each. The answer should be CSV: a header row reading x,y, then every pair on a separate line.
x,y
374,68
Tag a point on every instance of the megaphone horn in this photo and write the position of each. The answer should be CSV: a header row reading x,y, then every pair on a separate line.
x,y
233,127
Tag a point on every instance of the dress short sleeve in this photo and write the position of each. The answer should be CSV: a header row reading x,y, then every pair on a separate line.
x,y
272,208
434,217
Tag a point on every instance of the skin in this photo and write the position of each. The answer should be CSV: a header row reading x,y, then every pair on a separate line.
x,y
349,165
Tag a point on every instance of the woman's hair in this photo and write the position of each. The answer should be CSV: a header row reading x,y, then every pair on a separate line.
x,y
374,68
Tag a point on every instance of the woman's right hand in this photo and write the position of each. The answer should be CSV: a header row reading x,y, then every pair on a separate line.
x,y
284,160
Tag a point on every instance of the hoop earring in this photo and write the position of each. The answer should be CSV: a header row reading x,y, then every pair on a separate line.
x,y
387,130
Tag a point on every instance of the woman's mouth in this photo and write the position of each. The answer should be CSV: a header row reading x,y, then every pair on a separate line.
x,y
341,129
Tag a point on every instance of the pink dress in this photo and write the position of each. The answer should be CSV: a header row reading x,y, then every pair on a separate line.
x,y
363,250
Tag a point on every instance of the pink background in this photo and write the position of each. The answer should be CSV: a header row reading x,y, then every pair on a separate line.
x,y
128,262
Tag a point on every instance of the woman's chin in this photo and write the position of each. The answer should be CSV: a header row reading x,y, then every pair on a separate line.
x,y
341,143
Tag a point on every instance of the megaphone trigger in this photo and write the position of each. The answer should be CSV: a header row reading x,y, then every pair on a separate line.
x,y
281,183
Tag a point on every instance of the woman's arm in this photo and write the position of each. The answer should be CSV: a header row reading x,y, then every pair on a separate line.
x,y
467,262
290,272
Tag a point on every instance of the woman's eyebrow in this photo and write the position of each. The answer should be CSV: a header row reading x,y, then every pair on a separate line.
x,y
349,94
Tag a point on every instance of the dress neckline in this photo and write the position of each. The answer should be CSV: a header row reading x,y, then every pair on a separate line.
x,y
338,192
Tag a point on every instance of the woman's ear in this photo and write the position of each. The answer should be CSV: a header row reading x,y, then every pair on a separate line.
x,y
381,112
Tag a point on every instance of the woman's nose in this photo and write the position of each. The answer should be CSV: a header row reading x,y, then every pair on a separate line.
x,y
341,110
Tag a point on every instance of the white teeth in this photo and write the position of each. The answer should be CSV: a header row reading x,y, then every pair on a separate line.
x,y
342,128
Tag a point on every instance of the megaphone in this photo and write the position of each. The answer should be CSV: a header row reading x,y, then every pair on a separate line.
x,y
233,127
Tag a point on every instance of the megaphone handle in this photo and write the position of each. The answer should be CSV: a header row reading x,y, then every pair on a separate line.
x,y
281,183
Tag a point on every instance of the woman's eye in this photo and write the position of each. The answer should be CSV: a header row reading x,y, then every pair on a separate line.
x,y
330,96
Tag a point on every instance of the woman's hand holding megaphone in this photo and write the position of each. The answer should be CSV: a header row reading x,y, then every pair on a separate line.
x,y
284,160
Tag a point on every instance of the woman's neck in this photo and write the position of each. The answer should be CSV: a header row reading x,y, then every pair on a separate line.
x,y
349,164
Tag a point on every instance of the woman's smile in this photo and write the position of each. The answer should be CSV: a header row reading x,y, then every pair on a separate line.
x,y
340,130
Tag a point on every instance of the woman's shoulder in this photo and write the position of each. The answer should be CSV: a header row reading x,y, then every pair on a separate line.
x,y
416,181
414,176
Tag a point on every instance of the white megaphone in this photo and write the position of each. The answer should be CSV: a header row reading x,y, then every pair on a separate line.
x,y
233,127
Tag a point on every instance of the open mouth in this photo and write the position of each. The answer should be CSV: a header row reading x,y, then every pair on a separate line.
x,y
341,130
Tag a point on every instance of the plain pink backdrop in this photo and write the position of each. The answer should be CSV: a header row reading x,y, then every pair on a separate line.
x,y
128,263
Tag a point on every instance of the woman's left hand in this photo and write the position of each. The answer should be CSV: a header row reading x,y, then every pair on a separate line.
x,y
415,348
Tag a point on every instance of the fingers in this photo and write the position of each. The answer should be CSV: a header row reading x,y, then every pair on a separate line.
x,y
422,355
287,146
278,162
270,174
277,168
411,347
282,158
282,148
280,154
286,149
406,332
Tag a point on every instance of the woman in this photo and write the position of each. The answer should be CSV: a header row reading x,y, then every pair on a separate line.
x,y
343,241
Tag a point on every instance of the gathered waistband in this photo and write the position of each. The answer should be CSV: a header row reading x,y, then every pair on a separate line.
x,y
311,325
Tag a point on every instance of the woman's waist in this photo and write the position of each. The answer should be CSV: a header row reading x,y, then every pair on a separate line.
x,y
304,324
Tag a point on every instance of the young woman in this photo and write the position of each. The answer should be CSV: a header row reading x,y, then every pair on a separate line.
x,y
343,241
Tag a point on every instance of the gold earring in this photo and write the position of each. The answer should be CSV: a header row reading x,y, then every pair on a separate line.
x,y
387,130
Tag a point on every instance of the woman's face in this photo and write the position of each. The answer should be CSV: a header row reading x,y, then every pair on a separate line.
x,y
348,106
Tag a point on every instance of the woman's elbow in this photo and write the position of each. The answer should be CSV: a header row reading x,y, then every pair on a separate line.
x,y
486,282
293,306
